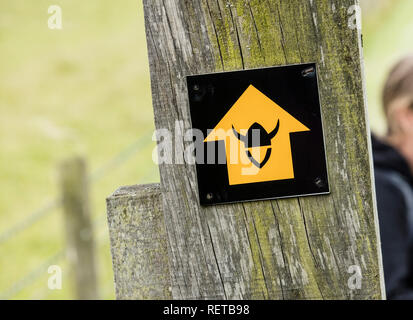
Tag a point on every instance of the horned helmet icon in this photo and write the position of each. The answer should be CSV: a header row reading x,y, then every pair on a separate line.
x,y
257,136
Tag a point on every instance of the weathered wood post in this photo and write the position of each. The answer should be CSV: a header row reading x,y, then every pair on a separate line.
x,y
80,243
138,242
323,247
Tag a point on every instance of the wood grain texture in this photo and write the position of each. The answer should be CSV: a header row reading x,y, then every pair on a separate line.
x,y
138,243
285,249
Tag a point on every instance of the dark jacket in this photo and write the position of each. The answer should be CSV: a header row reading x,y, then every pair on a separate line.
x,y
394,187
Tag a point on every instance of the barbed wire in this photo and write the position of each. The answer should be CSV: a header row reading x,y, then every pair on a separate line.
x,y
116,161
32,276
39,271
32,219
122,156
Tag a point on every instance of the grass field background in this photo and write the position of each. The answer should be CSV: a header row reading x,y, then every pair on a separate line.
x,y
84,90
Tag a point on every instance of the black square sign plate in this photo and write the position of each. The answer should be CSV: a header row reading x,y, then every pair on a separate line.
x,y
260,134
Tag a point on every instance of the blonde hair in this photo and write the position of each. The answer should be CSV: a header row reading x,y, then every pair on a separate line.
x,y
399,84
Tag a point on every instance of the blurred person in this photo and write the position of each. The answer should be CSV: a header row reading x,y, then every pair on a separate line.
x,y
393,161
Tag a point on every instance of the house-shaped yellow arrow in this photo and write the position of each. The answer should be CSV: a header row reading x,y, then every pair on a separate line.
x,y
253,107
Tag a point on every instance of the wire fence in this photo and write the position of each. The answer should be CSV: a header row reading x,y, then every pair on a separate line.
x,y
38,272
30,220
43,212
32,276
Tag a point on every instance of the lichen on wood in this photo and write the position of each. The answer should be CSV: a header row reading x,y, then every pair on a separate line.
x,y
139,243
283,249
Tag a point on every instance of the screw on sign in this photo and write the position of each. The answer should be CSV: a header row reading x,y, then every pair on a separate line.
x,y
268,124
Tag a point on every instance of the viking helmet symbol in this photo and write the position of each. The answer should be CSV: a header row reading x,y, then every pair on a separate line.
x,y
257,136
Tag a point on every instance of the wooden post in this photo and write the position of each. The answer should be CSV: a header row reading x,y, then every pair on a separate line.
x,y
139,243
303,248
79,231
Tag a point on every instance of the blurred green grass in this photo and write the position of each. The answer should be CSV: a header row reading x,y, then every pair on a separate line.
x,y
85,90
80,90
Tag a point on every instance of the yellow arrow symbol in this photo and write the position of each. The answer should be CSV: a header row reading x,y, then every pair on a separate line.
x,y
255,109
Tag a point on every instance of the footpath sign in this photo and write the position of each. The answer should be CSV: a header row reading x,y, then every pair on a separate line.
x,y
264,134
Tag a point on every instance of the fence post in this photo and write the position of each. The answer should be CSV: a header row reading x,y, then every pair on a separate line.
x,y
79,230
139,243
302,248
